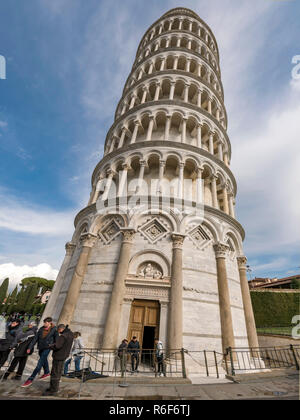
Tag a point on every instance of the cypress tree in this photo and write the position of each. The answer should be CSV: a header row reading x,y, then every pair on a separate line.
x,y
3,290
32,292
11,301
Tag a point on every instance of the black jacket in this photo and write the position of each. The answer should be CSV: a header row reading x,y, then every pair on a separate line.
x,y
11,337
63,344
133,347
24,342
46,342
122,349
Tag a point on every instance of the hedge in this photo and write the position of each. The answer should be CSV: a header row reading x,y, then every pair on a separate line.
x,y
274,308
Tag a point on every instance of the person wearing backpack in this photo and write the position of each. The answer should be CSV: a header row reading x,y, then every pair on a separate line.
x,y
12,334
20,354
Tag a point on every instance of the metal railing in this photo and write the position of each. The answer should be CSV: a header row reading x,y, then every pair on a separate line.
x,y
172,363
209,362
142,361
243,360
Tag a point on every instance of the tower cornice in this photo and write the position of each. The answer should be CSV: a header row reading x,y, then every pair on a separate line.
x,y
209,210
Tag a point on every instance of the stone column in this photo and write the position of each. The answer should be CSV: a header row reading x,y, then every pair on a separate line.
x,y
135,131
70,247
167,127
220,150
123,179
224,298
231,206
211,143
199,186
141,175
172,90
199,98
183,131
175,64
156,95
110,337
214,191
209,105
110,174
150,128
87,240
181,180
248,310
175,306
121,142
199,135
225,200
145,91
162,164
186,92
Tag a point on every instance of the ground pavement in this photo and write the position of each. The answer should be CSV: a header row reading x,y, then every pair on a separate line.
x,y
281,384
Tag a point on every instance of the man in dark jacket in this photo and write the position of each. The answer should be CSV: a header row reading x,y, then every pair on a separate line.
x,y
10,341
21,355
44,338
134,350
61,351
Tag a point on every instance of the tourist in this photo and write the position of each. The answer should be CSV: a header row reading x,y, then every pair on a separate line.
x,y
44,338
61,350
76,353
13,331
159,356
134,350
20,354
122,354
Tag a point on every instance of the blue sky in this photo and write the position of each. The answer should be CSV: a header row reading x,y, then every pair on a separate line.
x,y
67,61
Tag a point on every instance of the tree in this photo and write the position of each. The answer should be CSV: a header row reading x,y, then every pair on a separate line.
x,y
31,294
3,290
11,301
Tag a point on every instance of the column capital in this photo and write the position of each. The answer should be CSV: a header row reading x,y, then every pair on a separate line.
x,y
199,172
177,239
242,261
221,250
143,162
88,239
128,234
162,163
125,166
70,248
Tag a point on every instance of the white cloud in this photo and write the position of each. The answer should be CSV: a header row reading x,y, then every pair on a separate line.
x,y
3,124
20,216
16,273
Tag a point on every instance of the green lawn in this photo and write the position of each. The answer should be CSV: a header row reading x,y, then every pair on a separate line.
x,y
275,330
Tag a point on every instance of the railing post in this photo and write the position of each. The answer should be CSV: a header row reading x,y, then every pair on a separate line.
x,y
205,358
183,363
229,350
216,363
295,357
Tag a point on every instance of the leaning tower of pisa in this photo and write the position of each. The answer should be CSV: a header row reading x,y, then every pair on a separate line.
x,y
157,251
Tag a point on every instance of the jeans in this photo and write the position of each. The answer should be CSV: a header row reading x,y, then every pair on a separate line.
x,y
42,363
77,360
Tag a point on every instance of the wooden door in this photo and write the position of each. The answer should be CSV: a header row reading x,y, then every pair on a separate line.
x,y
144,313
